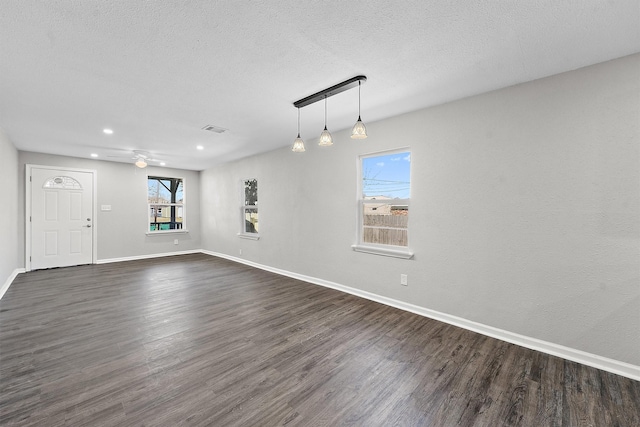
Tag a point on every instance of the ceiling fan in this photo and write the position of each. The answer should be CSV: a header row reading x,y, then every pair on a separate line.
x,y
142,158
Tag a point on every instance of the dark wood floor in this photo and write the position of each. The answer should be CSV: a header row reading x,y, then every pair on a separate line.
x,y
197,340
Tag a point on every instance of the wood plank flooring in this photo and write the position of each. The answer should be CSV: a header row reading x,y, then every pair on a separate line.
x,y
198,340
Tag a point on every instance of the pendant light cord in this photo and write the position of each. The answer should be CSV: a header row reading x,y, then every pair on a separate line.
x,y
325,112
358,99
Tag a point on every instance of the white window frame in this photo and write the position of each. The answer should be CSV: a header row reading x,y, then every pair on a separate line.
x,y
184,229
243,234
403,252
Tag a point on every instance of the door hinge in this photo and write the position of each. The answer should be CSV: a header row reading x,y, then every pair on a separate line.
x,y
30,178
29,219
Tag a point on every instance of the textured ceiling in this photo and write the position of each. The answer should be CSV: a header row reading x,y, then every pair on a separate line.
x,y
157,72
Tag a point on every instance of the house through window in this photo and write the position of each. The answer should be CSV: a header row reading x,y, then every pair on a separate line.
x,y
166,203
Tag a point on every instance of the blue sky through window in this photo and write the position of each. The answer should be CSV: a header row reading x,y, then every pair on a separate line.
x,y
387,175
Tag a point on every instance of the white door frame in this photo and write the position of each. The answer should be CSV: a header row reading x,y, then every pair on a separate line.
x,y
27,211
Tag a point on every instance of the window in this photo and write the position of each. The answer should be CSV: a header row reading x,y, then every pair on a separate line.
x,y
383,203
249,209
166,204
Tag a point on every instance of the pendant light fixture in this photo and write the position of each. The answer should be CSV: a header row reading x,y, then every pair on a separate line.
x,y
325,137
298,143
359,130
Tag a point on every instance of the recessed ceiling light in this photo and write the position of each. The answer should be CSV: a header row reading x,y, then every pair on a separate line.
x,y
94,155
163,164
200,147
107,131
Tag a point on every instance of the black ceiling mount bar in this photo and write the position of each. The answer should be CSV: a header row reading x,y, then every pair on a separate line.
x,y
333,90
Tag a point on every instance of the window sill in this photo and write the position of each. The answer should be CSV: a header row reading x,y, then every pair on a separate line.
x,y
249,236
379,250
154,233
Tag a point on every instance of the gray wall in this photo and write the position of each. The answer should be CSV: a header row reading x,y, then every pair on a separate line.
x,y
9,258
524,213
525,209
121,232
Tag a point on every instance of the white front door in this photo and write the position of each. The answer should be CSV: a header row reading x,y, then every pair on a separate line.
x,y
61,218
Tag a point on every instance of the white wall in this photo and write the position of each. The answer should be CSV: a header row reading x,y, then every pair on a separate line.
x,y
9,259
525,211
121,232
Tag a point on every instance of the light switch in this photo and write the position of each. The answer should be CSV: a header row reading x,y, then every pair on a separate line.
x,y
105,208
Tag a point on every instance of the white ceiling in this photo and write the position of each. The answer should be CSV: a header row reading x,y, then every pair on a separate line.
x,y
157,72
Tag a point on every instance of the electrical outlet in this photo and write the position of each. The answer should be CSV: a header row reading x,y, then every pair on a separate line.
x,y
240,251
403,280
175,241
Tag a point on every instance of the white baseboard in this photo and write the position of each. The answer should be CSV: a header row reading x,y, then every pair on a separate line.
x,y
17,271
138,257
5,286
606,364
610,365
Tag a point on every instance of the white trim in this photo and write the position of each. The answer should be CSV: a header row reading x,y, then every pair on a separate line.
x,y
148,256
161,232
248,236
27,210
368,248
383,250
381,152
244,207
10,280
606,364
183,205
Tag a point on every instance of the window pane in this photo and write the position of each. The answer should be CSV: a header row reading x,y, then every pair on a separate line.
x,y
165,196
251,192
250,220
386,176
165,217
386,191
385,224
165,190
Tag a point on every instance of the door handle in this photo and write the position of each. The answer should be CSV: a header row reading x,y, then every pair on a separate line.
x,y
88,225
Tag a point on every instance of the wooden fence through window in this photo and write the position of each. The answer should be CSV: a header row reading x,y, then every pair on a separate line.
x,y
385,229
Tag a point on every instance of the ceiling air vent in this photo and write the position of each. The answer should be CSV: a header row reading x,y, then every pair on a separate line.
x,y
212,128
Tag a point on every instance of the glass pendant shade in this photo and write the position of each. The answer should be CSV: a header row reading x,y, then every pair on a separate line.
x,y
298,143
359,130
325,138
